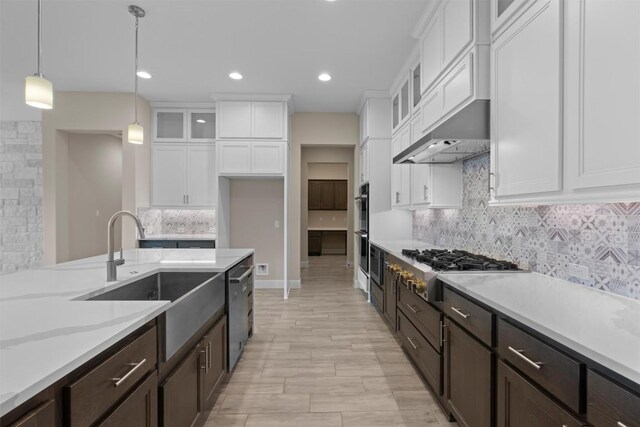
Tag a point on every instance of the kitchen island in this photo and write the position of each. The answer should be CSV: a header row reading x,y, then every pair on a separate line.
x,y
48,329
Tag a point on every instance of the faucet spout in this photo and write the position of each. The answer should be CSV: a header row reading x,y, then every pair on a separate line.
x,y
111,263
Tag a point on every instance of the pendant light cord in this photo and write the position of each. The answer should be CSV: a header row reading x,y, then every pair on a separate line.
x,y
135,101
39,36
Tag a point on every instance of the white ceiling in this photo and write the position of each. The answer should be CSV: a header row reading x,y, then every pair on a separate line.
x,y
280,46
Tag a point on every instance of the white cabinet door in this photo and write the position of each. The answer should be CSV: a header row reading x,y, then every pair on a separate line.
x,y
234,157
364,117
603,134
267,120
201,176
401,174
432,108
364,163
457,85
527,103
201,125
420,184
416,126
169,125
457,28
234,119
169,177
267,158
431,52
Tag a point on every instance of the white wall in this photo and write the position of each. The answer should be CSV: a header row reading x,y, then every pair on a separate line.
x,y
94,190
255,206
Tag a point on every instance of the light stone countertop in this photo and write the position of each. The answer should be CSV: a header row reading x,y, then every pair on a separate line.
x,y
47,329
179,237
327,229
602,326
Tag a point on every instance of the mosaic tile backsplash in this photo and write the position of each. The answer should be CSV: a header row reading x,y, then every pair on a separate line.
x,y
603,237
178,221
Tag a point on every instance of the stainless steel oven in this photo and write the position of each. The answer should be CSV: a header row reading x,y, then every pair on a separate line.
x,y
363,232
376,265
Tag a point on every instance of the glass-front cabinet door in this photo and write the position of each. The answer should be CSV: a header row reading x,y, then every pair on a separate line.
x,y
202,125
404,96
169,125
395,111
416,95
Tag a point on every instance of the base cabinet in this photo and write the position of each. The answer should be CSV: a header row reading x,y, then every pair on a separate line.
x,y
390,298
520,403
215,360
139,409
42,416
467,378
180,394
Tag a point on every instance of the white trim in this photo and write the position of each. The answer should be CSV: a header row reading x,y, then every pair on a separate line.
x,y
188,105
288,98
383,94
276,284
428,12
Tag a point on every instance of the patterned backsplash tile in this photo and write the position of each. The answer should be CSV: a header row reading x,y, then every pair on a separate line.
x,y
547,239
178,221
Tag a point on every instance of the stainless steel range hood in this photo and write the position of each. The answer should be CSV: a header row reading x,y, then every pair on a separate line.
x,y
464,135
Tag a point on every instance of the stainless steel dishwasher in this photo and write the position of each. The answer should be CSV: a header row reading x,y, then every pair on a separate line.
x,y
240,286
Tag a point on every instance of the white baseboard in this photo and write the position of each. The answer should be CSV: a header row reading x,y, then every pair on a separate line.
x,y
276,284
304,264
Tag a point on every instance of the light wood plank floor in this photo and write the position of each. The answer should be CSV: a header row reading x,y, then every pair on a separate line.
x,y
323,358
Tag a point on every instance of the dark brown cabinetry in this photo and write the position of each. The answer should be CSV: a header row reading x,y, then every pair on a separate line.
x,y
468,385
214,364
42,416
315,243
390,299
93,393
522,404
554,371
469,315
328,242
420,313
139,409
327,195
609,404
180,394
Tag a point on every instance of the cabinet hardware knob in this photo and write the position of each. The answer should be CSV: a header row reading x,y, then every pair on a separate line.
x,y
621,424
122,379
460,313
442,336
520,354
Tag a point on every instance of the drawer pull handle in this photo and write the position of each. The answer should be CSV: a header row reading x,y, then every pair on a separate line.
x,y
460,313
415,347
518,353
621,424
119,381
411,308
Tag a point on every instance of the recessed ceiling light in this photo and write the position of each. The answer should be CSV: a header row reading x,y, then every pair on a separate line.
x,y
235,76
331,0
143,74
324,77
201,121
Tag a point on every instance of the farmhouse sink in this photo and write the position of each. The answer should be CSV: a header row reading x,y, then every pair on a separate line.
x,y
195,298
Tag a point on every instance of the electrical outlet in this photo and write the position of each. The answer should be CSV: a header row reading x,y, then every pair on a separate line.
x,y
579,271
262,269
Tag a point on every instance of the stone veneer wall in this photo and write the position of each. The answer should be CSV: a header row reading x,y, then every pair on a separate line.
x,y
178,221
20,195
603,237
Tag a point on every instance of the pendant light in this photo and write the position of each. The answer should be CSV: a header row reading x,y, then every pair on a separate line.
x,y
136,132
38,91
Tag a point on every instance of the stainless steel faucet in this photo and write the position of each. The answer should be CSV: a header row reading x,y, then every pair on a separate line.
x,y
112,272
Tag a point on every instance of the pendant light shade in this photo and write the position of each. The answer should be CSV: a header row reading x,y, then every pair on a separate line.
x,y
38,91
135,132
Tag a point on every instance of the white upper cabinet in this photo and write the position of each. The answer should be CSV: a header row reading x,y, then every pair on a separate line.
x,y
268,120
416,94
401,174
603,96
401,104
375,122
183,176
502,11
365,159
170,125
454,27
436,186
201,125
184,125
526,103
251,158
252,120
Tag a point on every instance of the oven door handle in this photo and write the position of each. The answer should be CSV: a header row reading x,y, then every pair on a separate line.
x,y
362,197
362,234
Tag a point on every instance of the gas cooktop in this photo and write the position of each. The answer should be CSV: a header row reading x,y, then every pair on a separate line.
x,y
457,260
